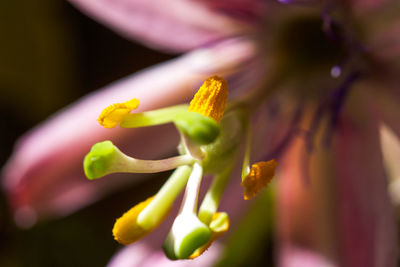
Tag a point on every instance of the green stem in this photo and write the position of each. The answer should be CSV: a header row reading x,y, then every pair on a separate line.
x,y
213,196
164,198
154,117
247,151
192,190
132,165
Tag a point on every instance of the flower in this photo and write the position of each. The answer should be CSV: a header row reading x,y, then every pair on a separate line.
x,y
329,69
205,144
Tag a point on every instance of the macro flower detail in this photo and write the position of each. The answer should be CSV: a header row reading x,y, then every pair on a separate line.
x,y
111,116
210,141
317,80
210,99
259,176
219,225
126,230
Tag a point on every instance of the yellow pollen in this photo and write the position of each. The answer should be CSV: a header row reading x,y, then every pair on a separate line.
x,y
260,175
126,230
112,115
215,234
210,99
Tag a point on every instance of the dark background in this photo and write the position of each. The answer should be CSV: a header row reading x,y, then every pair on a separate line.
x,y
50,55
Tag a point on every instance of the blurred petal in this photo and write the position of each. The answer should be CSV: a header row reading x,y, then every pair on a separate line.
x,y
384,41
382,36
140,254
365,6
366,218
45,176
176,26
391,154
295,256
298,228
245,10
344,214
383,98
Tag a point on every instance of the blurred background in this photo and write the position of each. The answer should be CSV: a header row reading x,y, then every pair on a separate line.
x,y
50,55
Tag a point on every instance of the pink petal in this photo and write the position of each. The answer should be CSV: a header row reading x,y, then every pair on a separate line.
x,y
365,214
296,212
248,10
344,214
141,255
44,175
177,26
295,257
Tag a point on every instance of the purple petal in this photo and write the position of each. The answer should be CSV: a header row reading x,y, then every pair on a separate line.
x,y
44,175
175,26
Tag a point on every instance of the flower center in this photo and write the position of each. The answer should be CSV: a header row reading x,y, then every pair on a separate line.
x,y
307,43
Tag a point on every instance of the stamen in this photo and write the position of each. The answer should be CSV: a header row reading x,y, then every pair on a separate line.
x,y
112,115
126,230
147,215
260,175
210,99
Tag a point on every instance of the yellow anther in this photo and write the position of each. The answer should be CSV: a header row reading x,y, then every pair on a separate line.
x,y
112,115
126,230
216,232
210,99
260,175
